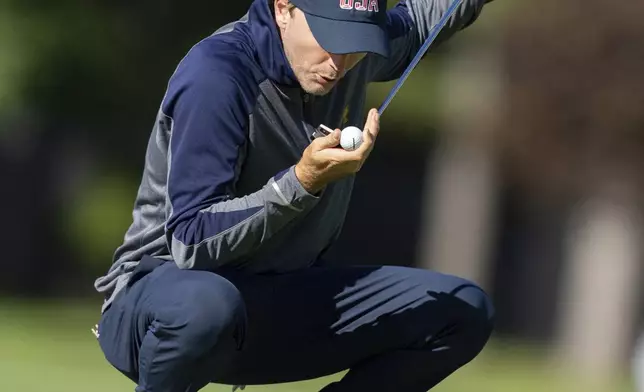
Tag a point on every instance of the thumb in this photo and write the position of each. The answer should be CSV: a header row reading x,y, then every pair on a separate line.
x,y
372,125
329,141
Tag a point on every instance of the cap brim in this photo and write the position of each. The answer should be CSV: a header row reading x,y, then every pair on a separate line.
x,y
343,37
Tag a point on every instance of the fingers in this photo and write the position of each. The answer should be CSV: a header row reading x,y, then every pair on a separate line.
x,y
326,145
370,132
373,123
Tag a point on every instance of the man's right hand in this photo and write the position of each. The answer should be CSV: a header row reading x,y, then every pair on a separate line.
x,y
323,163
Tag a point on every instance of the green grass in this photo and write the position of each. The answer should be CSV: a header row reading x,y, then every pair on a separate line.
x,y
49,347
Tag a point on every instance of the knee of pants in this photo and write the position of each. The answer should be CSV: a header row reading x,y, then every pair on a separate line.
x,y
468,307
477,323
204,307
480,303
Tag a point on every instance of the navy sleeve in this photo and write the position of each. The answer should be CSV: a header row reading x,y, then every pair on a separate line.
x,y
409,24
209,225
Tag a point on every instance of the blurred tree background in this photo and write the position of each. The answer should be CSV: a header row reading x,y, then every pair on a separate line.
x,y
81,82
572,132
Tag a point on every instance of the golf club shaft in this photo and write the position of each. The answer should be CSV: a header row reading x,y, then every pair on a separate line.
x,y
421,52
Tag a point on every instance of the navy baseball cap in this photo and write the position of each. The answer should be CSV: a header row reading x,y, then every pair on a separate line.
x,y
348,26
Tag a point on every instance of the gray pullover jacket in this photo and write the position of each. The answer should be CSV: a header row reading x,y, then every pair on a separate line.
x,y
218,186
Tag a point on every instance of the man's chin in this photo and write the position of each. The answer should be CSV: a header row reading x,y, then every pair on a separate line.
x,y
318,89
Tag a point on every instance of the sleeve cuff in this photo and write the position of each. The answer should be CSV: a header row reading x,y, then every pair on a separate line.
x,y
291,191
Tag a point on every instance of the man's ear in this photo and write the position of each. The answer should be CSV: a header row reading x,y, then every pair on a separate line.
x,y
282,13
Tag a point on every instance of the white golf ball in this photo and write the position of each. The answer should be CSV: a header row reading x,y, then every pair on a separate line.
x,y
351,138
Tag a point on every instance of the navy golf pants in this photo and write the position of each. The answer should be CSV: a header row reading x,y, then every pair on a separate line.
x,y
396,329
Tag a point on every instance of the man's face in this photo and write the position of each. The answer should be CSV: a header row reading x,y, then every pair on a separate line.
x,y
317,70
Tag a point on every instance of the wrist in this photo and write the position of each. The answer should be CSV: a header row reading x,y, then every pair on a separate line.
x,y
306,180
